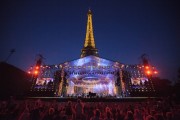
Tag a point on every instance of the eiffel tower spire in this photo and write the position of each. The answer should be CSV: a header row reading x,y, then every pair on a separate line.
x,y
89,44
89,40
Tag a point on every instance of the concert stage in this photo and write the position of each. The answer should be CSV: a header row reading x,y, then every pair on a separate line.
x,y
91,74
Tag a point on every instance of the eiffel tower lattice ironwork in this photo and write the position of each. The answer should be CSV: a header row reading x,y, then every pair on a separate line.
x,y
89,44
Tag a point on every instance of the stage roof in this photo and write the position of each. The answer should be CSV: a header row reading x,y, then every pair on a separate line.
x,y
91,61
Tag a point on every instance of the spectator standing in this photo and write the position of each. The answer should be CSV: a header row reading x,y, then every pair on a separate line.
x,y
96,116
79,110
69,110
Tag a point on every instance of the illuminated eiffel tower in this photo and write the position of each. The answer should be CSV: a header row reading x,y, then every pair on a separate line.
x,y
89,44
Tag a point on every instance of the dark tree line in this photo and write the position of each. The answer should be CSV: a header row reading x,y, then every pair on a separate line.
x,y
165,87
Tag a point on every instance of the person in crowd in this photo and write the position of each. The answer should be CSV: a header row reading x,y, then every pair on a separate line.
x,y
25,115
69,110
129,116
149,117
108,116
35,112
50,115
79,110
96,116
138,115
169,116
119,114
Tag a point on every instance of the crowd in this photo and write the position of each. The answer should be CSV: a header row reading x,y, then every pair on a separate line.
x,y
31,109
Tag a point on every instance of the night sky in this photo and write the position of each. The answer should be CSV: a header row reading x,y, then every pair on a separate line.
x,y
123,31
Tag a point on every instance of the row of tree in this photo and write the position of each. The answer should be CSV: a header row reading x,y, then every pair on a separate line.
x,y
165,87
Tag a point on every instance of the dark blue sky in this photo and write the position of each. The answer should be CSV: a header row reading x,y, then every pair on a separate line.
x,y
123,30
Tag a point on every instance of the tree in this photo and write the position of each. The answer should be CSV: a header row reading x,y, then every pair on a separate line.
x,y
162,86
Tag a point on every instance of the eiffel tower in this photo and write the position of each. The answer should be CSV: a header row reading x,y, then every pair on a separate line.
x,y
89,44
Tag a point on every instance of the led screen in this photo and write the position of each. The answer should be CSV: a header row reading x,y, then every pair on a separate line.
x,y
43,81
138,81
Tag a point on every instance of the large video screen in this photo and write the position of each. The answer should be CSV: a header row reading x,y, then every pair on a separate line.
x,y
43,81
138,81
